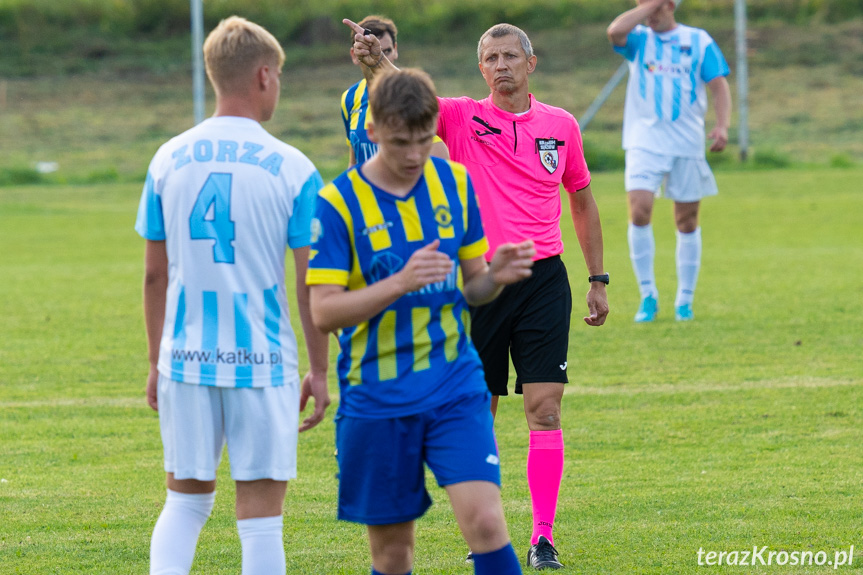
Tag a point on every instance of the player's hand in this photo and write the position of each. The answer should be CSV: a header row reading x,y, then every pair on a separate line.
x,y
426,266
597,305
367,47
719,137
314,386
152,388
512,262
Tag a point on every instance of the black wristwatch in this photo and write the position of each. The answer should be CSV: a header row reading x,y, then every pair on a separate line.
x,y
600,278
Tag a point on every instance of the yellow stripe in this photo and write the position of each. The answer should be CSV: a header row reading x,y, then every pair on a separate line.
x,y
345,112
387,368
449,324
420,318
410,219
465,321
474,250
373,218
331,194
359,342
358,99
316,276
459,172
439,201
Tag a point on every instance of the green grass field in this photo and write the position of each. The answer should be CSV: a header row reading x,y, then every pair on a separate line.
x,y
740,429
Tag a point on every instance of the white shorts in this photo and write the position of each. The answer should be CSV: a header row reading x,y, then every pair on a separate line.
x,y
685,179
260,426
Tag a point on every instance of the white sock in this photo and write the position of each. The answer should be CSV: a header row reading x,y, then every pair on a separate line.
x,y
642,249
263,548
175,536
688,263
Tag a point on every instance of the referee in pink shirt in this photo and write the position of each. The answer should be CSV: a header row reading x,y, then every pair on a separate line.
x,y
518,152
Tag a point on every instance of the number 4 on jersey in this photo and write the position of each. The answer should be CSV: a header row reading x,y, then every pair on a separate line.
x,y
219,226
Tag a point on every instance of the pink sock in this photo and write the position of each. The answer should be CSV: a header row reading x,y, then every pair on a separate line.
x,y
544,471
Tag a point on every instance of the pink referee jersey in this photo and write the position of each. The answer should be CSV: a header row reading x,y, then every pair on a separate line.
x,y
517,163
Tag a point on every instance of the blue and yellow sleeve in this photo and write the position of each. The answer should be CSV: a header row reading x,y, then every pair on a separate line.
x,y
331,253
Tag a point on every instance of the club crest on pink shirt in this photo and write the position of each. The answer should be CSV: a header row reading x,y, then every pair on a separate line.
x,y
547,150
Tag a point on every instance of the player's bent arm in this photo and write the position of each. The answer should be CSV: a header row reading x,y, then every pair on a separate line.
x,y
334,307
367,49
352,159
721,93
155,295
621,26
479,288
483,282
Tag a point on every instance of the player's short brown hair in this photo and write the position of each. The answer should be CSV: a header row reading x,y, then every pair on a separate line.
x,y
404,97
378,25
236,47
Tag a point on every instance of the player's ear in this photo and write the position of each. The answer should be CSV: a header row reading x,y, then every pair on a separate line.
x,y
354,58
370,132
262,77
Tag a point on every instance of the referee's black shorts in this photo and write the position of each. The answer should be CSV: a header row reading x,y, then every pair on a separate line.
x,y
531,320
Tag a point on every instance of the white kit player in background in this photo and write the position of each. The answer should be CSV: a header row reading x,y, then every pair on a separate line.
x,y
664,137
221,205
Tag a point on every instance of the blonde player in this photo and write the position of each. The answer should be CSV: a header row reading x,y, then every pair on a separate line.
x,y
221,205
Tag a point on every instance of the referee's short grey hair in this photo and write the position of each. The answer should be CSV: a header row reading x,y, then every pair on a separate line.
x,y
501,30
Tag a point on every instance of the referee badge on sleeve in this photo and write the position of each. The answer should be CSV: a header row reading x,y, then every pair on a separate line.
x,y
547,150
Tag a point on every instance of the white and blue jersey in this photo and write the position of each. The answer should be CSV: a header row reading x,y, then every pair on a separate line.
x,y
228,199
666,99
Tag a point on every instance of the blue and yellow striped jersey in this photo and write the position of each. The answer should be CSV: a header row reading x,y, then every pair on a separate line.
x,y
356,117
416,354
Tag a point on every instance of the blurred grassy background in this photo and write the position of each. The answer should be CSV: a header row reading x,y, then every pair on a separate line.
x,y
97,85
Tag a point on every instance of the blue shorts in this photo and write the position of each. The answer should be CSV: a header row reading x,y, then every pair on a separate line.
x,y
381,473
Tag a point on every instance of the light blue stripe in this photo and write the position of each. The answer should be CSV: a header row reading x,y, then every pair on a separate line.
x,y
300,224
272,313
676,84
210,335
696,55
657,79
714,63
243,331
642,73
150,222
179,335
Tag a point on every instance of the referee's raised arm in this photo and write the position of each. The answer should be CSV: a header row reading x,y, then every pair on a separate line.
x,y
367,49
